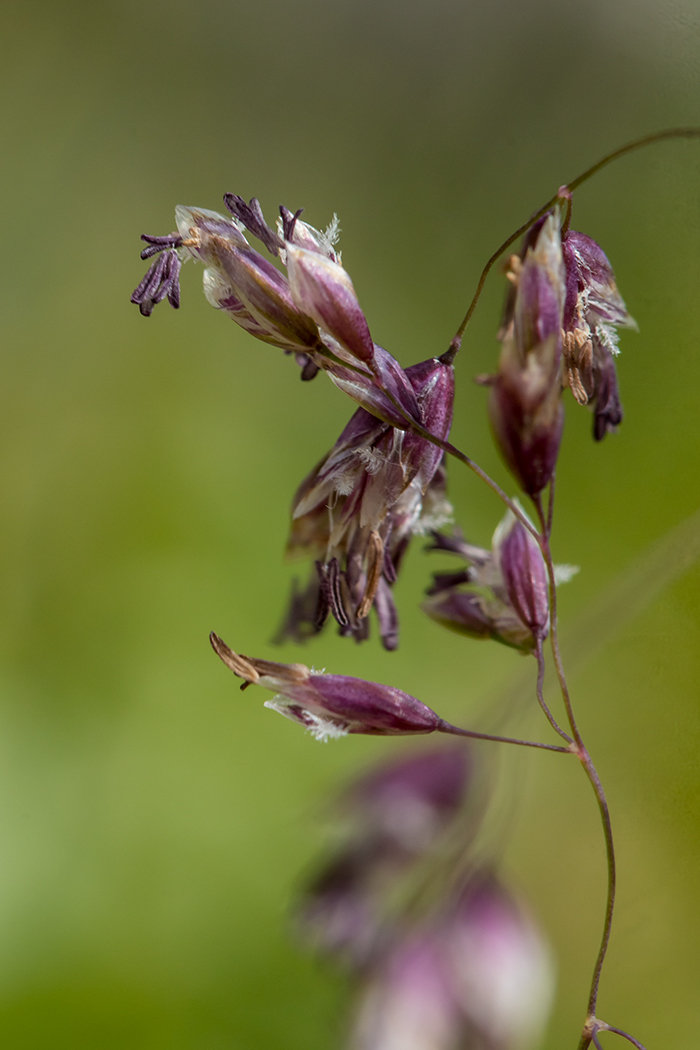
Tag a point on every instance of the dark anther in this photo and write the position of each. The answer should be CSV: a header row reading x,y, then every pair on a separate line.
x,y
289,221
322,604
389,569
310,370
157,244
252,217
329,576
330,597
163,277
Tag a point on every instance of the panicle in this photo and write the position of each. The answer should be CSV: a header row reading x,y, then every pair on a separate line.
x,y
332,705
593,311
501,594
525,403
356,512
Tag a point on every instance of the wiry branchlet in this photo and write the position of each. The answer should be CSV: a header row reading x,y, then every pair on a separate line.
x,y
356,512
593,311
476,973
332,705
525,402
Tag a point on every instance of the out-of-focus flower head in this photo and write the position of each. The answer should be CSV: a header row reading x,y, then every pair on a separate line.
x,y
475,975
410,799
466,969
525,403
502,593
393,816
311,311
593,311
330,705
357,510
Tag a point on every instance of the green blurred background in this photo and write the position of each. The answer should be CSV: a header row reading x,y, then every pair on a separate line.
x,y
153,820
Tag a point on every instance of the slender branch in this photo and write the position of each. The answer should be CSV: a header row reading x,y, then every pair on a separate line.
x,y
646,140
625,1035
456,731
566,194
550,506
591,773
612,881
540,694
554,632
563,196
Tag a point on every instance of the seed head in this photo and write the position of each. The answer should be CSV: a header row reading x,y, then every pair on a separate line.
x,y
332,705
524,574
475,601
502,593
525,403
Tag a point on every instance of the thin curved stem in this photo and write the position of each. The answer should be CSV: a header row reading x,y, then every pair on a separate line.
x,y
612,880
625,1035
540,694
562,196
543,541
456,731
550,505
591,773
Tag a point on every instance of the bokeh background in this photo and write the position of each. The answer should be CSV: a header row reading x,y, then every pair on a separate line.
x,y
154,821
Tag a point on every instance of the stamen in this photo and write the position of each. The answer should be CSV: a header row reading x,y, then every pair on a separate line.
x,y
162,278
388,569
323,605
157,244
335,594
289,221
310,370
251,215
